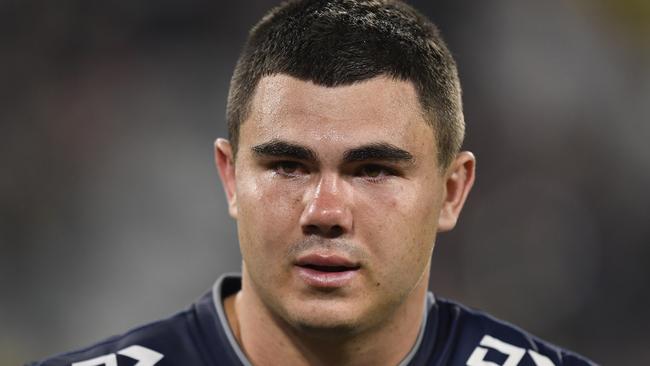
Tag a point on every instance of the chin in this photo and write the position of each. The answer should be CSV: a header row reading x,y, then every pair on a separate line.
x,y
326,319
326,327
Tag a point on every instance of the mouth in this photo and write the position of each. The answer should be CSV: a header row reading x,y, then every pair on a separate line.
x,y
326,271
330,269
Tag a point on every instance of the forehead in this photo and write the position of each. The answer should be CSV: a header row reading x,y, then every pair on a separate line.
x,y
378,109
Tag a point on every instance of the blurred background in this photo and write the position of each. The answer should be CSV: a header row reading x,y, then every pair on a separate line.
x,y
111,213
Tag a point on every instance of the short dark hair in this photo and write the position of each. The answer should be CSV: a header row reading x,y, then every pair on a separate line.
x,y
340,42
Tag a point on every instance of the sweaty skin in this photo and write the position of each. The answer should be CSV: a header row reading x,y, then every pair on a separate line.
x,y
349,173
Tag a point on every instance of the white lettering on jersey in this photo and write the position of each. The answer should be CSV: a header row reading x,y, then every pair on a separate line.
x,y
105,360
540,360
514,353
144,356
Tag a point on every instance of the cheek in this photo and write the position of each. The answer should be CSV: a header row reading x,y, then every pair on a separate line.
x,y
402,223
267,213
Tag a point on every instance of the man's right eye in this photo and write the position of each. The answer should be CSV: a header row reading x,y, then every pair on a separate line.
x,y
289,168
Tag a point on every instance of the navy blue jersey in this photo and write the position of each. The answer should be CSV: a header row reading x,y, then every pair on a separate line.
x,y
451,335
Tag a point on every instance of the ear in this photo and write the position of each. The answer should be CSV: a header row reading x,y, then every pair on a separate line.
x,y
458,182
223,156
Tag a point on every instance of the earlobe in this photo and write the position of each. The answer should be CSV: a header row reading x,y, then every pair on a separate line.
x,y
224,160
458,182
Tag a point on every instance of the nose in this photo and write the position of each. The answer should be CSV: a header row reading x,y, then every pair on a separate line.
x,y
327,211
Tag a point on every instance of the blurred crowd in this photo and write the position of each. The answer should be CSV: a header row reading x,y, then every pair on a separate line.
x,y
111,213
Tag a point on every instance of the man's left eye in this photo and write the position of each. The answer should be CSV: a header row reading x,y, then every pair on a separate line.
x,y
374,171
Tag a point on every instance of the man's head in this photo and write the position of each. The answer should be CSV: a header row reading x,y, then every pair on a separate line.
x,y
334,43
339,111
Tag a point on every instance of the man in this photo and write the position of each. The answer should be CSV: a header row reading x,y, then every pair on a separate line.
x,y
343,164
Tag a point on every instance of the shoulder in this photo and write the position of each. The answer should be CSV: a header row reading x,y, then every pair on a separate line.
x,y
196,336
168,341
475,338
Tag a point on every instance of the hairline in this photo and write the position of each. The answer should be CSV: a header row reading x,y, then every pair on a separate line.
x,y
430,117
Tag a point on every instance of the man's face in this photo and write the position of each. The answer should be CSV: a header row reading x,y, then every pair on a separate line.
x,y
337,196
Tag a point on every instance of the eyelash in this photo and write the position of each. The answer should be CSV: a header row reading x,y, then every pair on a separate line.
x,y
278,166
383,172
361,171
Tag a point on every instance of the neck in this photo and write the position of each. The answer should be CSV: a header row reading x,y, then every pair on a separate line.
x,y
267,340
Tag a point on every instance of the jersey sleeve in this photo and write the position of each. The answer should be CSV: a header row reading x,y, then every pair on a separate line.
x,y
473,338
166,342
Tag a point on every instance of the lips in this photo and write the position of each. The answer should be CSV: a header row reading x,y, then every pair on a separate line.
x,y
326,271
327,263
326,268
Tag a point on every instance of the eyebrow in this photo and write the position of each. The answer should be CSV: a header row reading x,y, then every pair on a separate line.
x,y
378,151
279,148
374,151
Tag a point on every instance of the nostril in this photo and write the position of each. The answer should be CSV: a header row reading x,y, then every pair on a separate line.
x,y
325,231
335,231
311,230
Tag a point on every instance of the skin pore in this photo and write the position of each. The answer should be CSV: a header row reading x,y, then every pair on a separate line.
x,y
349,173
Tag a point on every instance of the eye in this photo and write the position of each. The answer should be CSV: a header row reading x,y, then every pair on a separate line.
x,y
288,168
375,172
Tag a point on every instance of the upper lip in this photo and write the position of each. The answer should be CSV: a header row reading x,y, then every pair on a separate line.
x,y
326,260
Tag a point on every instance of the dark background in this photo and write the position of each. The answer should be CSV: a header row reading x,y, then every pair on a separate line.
x,y
111,213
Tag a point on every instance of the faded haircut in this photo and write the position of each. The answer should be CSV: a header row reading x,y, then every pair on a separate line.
x,y
341,42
